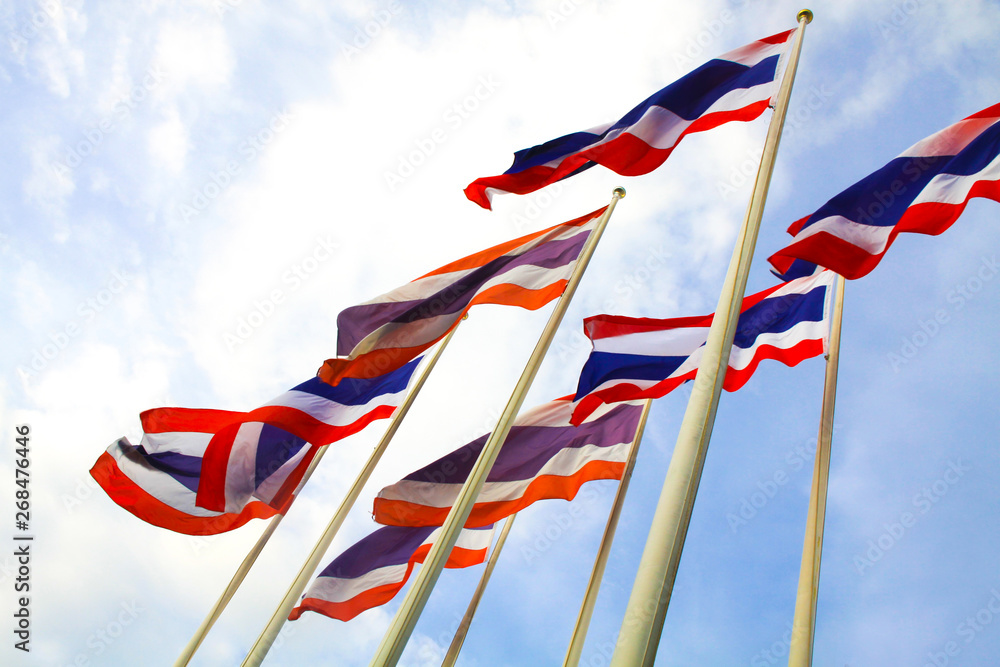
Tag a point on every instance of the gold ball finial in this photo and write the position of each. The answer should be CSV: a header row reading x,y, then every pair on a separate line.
x,y
804,14
619,192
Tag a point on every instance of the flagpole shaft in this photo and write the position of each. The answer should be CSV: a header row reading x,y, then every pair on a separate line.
x,y
240,575
575,649
463,628
647,605
804,622
271,630
405,620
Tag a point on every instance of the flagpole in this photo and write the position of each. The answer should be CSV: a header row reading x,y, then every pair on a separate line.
x,y
647,605
405,620
575,649
463,628
271,630
804,622
240,575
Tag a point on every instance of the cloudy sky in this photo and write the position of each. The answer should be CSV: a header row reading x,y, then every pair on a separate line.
x,y
174,171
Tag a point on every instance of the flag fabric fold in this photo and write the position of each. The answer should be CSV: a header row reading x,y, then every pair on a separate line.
x,y
157,480
923,190
544,457
374,569
382,334
263,453
637,358
736,86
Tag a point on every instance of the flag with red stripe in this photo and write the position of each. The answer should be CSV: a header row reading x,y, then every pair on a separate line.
x,y
373,570
736,86
382,334
923,191
543,457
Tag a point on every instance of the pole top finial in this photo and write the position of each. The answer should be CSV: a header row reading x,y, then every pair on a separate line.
x,y
804,14
619,192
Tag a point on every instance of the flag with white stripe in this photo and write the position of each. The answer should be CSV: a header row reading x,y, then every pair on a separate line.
x,y
382,334
543,457
262,453
374,569
923,191
736,86
648,358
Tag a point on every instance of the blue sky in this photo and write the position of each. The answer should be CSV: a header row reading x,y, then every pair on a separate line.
x,y
171,167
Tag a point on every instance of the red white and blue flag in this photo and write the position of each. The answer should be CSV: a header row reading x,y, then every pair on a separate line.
x,y
924,191
637,358
544,457
736,86
263,453
382,334
157,480
372,571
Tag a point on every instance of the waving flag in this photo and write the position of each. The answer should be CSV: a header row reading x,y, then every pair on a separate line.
x,y
924,190
263,453
734,87
543,457
645,358
157,481
372,571
386,332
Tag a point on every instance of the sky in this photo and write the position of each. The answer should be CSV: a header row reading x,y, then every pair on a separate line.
x,y
191,192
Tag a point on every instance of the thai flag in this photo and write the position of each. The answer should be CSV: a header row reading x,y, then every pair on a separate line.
x,y
544,457
734,87
386,332
924,190
372,571
645,358
157,480
263,453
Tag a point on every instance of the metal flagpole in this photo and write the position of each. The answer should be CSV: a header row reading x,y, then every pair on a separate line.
x,y
241,573
575,649
647,605
804,622
271,630
409,611
463,628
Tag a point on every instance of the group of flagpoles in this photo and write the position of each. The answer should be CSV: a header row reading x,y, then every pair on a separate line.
x,y
575,649
241,573
409,611
804,622
271,630
451,657
593,585
647,605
